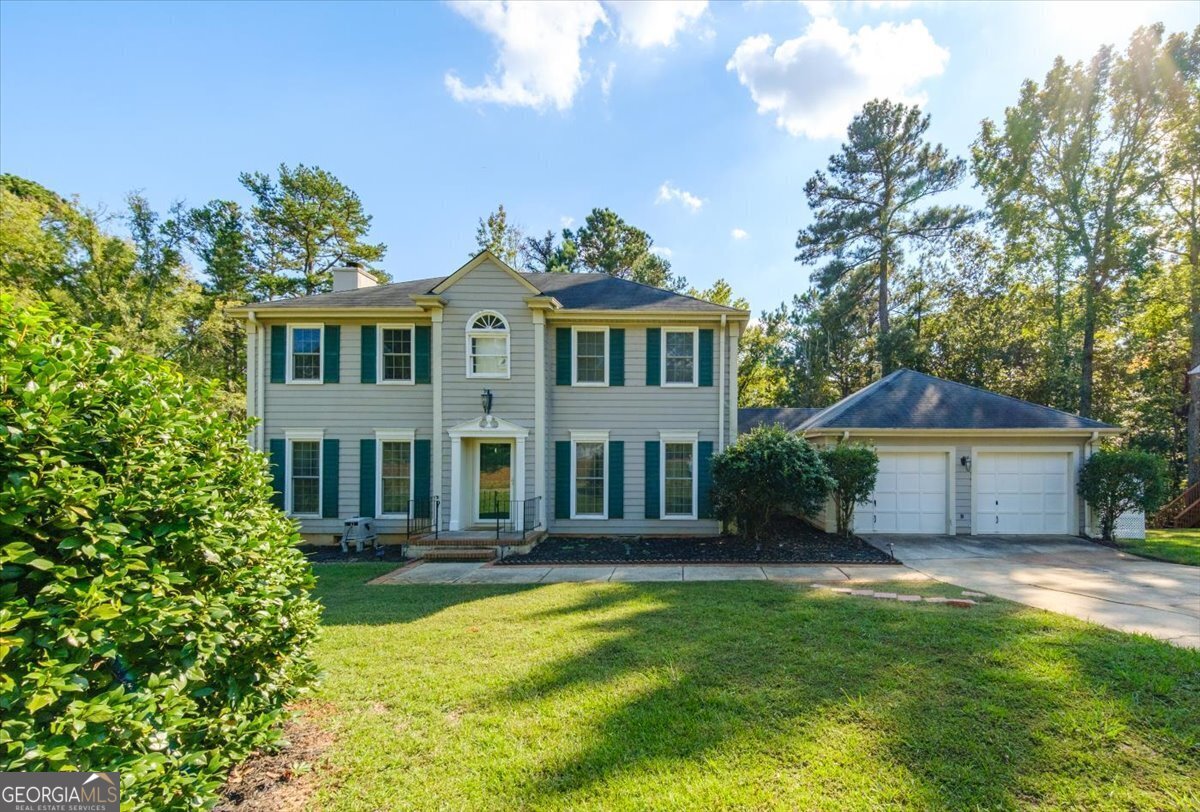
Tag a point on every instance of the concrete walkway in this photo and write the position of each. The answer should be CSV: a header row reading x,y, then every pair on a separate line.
x,y
472,573
1066,575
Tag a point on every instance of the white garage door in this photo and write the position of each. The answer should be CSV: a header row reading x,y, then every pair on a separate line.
x,y
909,497
1022,492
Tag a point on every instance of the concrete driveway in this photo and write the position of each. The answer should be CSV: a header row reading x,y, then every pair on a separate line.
x,y
1067,575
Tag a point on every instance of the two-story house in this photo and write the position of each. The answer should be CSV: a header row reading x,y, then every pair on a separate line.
x,y
577,403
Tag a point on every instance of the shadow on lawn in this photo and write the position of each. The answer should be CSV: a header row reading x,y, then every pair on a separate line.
x,y
948,703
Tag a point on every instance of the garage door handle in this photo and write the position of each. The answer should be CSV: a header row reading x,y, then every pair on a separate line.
x,y
997,520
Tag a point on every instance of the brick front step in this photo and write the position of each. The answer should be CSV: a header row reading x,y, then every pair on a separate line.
x,y
460,554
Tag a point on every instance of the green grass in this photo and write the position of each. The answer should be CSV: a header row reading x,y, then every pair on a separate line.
x,y
736,695
1178,546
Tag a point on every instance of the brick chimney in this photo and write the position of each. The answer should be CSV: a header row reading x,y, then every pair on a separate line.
x,y
352,277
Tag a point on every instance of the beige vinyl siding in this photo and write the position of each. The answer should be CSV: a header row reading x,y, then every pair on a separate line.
x,y
346,411
962,492
633,413
487,287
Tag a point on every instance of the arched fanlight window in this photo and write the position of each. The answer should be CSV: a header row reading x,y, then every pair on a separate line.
x,y
487,346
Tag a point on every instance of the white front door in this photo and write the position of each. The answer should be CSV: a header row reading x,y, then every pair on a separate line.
x,y
909,496
1022,492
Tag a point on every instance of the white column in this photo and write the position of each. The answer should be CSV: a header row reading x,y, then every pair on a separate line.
x,y
252,378
732,348
539,412
722,351
435,371
520,484
455,481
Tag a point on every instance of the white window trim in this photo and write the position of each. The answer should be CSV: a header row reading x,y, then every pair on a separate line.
x,y
412,339
678,437
292,326
695,331
588,437
392,436
304,435
489,334
575,331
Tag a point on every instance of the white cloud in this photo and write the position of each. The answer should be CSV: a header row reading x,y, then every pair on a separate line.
x,y
538,62
815,83
648,23
739,234
607,80
566,221
661,251
669,192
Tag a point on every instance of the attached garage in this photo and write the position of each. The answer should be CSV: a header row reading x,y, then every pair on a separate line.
x,y
911,494
1023,492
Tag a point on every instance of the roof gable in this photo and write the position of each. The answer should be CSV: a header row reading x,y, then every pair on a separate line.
x,y
481,258
906,399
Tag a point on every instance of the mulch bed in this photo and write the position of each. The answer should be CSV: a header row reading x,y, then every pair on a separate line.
x,y
281,779
332,554
786,542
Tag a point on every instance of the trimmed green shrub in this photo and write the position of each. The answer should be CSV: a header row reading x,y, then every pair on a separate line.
x,y
154,614
768,471
853,468
1115,482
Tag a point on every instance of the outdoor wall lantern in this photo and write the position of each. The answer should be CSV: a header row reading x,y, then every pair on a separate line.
x,y
487,421
965,461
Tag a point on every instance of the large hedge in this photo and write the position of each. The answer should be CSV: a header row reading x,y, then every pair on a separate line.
x,y
1114,482
854,469
154,614
768,471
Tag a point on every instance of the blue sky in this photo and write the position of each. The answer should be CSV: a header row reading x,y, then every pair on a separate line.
x,y
697,122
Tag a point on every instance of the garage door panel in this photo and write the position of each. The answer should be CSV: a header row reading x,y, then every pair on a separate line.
x,y
1022,492
909,496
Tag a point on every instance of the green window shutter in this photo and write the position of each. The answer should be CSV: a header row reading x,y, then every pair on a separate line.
x,y
278,353
369,363
704,450
562,479
653,356
616,357
562,356
706,357
422,354
366,476
653,475
333,353
616,479
277,457
329,479
421,477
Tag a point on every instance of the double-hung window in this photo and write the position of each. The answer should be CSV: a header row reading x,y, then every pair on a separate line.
x,y
589,355
304,475
589,475
679,476
487,346
395,354
304,353
395,473
679,357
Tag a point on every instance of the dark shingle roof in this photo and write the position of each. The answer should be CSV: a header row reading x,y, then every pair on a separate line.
x,y
790,418
576,291
913,400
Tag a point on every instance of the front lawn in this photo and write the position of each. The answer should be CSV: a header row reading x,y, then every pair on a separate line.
x,y
735,695
1178,546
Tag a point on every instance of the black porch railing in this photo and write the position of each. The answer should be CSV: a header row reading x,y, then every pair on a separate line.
x,y
423,517
514,519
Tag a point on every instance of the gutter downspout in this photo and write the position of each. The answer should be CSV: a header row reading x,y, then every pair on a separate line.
x,y
721,386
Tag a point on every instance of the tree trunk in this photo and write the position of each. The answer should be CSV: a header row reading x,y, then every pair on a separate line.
x,y
1193,426
1087,364
885,353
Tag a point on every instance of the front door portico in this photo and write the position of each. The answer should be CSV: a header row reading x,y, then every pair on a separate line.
x,y
487,471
